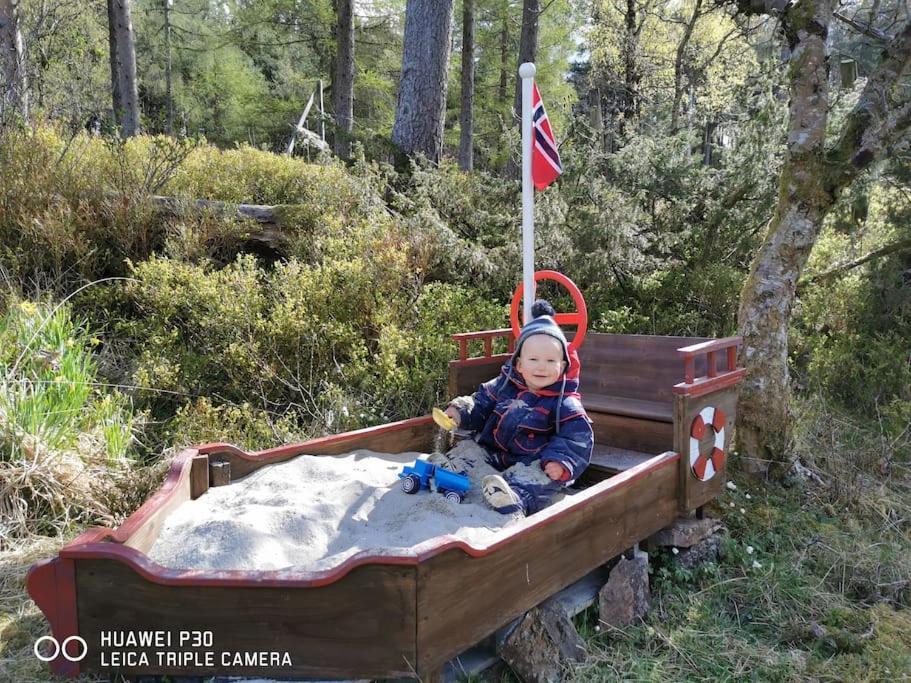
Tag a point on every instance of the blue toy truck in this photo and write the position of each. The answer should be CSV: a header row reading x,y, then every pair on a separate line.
x,y
452,485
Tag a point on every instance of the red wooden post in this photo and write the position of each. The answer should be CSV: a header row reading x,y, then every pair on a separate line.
x,y
732,357
488,346
689,369
463,349
711,364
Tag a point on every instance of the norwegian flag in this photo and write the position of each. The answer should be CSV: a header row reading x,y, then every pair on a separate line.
x,y
545,159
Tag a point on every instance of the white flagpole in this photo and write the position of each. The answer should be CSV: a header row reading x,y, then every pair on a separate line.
x,y
527,74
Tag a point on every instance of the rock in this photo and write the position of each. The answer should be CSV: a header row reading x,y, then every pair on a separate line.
x,y
685,532
805,474
542,645
625,597
818,631
708,550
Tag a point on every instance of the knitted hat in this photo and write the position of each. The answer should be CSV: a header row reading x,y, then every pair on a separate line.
x,y
542,322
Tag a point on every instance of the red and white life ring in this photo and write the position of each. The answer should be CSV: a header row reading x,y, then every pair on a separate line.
x,y
705,466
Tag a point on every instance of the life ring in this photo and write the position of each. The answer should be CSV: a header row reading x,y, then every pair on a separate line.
x,y
579,318
705,466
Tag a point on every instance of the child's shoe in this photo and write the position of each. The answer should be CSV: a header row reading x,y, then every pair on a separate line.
x,y
500,496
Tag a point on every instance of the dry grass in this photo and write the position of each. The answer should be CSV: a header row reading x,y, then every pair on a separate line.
x,y
21,622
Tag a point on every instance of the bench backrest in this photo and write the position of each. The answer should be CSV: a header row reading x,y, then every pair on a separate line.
x,y
635,366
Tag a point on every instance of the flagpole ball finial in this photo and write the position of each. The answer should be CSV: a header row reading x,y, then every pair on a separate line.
x,y
527,70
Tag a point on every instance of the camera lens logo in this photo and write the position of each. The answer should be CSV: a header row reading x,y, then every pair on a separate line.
x,y
60,649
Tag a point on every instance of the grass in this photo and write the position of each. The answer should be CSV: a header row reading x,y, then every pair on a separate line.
x,y
814,583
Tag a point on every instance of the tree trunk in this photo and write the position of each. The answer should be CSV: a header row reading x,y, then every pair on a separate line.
x,y
124,90
678,65
763,425
466,119
631,76
14,86
169,82
810,181
422,90
504,60
343,82
528,46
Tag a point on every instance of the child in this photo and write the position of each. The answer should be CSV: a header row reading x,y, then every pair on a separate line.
x,y
530,420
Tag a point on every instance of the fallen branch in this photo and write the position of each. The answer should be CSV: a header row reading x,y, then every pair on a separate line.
x,y
266,218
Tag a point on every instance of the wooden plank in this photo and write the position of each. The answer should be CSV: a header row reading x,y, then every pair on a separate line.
x,y
361,625
694,492
461,599
660,411
465,379
199,476
142,528
646,436
636,366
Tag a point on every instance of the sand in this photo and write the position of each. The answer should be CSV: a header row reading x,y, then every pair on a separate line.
x,y
313,512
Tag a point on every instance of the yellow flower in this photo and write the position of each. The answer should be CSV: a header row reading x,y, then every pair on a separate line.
x,y
28,307
70,343
94,341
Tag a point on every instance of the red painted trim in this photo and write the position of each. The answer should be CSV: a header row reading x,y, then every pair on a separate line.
x,y
52,585
480,360
481,334
704,385
155,573
303,447
711,345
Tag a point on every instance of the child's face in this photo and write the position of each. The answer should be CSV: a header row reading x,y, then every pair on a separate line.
x,y
540,361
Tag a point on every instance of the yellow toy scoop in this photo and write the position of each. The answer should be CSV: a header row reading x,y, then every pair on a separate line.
x,y
443,420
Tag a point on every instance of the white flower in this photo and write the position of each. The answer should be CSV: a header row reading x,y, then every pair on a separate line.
x,y
732,503
742,511
756,565
748,497
749,550
731,486
674,550
597,629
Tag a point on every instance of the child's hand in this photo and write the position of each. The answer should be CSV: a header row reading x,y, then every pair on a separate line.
x,y
452,412
554,470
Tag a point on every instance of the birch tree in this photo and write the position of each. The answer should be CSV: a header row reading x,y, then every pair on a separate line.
x,y
422,90
124,89
14,86
813,174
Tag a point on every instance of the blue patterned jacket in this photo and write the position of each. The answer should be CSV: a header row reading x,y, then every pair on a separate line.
x,y
517,424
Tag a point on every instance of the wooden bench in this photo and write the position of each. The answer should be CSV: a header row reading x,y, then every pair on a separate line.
x,y
627,384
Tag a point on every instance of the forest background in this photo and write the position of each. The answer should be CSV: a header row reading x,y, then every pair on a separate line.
x,y
132,326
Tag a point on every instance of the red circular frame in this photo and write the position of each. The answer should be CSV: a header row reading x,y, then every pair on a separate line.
x,y
579,318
